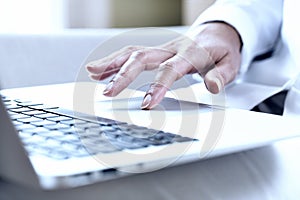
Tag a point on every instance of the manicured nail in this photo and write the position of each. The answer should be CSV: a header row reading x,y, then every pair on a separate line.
x,y
108,88
146,101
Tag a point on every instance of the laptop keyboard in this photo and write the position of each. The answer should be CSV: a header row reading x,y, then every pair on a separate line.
x,y
49,131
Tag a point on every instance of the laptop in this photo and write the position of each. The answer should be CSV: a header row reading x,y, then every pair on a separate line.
x,y
69,135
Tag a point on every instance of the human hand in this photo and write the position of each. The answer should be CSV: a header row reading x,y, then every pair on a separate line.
x,y
212,50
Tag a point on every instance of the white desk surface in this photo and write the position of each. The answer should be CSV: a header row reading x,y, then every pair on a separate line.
x,y
271,172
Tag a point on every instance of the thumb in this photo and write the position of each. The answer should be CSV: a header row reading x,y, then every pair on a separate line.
x,y
216,78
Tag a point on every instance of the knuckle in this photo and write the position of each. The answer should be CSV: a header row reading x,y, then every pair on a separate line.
x,y
155,86
130,48
139,55
125,74
167,65
169,68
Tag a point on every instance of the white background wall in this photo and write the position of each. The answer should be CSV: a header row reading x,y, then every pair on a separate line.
x,y
49,15
191,9
32,15
124,13
88,13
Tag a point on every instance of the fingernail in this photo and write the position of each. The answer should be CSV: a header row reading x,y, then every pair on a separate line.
x,y
219,84
146,101
108,88
88,67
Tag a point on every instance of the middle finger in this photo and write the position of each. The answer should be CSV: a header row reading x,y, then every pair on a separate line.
x,y
143,59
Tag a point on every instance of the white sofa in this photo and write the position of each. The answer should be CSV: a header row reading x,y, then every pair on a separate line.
x,y
38,59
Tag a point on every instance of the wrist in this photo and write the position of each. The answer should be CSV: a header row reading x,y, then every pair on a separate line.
x,y
230,28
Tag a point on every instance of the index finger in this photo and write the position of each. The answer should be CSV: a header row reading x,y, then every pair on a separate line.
x,y
169,71
111,63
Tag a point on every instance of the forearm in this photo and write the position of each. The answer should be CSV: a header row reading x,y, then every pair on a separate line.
x,y
258,23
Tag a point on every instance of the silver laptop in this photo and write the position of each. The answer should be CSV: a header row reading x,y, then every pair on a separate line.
x,y
55,136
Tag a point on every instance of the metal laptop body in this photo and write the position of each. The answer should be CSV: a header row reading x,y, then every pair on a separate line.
x,y
240,130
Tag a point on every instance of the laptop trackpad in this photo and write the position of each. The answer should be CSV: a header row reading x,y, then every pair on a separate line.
x,y
169,115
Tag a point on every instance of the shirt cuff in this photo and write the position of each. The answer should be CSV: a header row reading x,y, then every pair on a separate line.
x,y
241,18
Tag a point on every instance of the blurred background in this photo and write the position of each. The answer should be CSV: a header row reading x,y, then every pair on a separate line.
x,y
21,16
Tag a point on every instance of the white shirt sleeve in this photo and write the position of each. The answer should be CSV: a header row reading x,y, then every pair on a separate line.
x,y
257,21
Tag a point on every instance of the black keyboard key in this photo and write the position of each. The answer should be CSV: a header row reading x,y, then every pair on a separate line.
x,y
59,155
103,148
59,118
29,120
89,133
71,138
34,140
108,122
139,141
43,123
126,138
107,129
25,104
12,113
87,125
72,131
68,146
24,135
52,142
126,145
73,150
33,112
68,130
36,130
38,150
44,150
20,109
24,127
74,122
16,123
12,106
56,126
95,141
46,115
51,134
80,152
21,101
6,100
112,135
143,133
94,130
18,116
163,136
